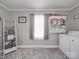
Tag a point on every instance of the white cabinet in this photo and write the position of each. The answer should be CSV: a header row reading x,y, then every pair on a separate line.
x,y
64,44
74,48
69,46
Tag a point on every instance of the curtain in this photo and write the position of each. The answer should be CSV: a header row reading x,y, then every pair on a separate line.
x,y
31,26
46,27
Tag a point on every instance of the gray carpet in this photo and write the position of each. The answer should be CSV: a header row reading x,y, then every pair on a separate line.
x,y
37,53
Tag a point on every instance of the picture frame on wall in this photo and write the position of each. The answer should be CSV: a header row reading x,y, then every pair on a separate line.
x,y
57,24
22,19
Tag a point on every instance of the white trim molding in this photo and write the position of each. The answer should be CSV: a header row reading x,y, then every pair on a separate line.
x,y
74,6
37,9
38,46
4,6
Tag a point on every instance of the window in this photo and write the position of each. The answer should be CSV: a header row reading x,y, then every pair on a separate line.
x,y
38,27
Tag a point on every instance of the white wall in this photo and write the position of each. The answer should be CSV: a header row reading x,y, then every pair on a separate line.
x,y
74,23
5,15
23,29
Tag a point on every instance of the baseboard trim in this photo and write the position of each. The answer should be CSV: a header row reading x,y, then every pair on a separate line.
x,y
38,46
